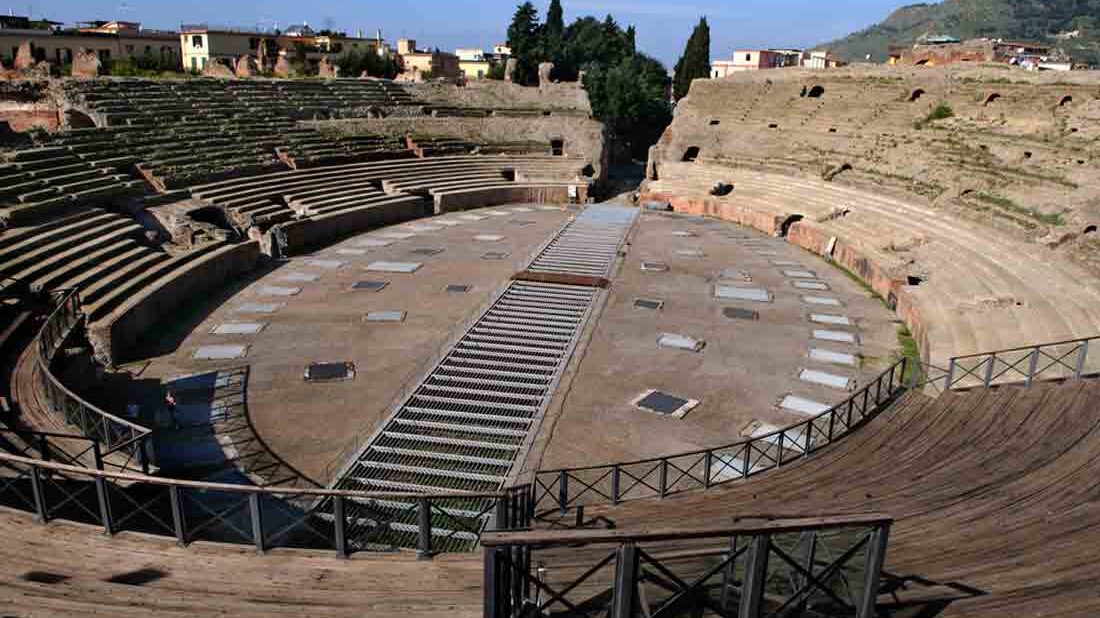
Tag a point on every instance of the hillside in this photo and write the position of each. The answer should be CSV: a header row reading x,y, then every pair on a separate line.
x,y
1037,20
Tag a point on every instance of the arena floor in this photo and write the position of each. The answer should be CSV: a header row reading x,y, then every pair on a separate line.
x,y
307,310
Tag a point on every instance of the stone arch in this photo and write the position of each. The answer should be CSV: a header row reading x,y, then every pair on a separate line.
x,y
914,280
1066,100
916,94
787,223
816,92
76,119
715,122
1089,229
993,96
588,171
922,63
691,154
557,147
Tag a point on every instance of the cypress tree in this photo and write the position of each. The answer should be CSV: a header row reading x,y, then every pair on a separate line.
x,y
695,63
555,21
524,38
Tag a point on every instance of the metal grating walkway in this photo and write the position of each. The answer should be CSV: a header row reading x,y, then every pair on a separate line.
x,y
467,423
589,244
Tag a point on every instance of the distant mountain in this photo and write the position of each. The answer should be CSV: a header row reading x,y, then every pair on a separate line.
x,y
1033,20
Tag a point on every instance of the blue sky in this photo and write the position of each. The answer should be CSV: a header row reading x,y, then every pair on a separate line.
x,y
663,25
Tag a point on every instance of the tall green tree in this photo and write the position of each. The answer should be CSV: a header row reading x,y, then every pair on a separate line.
x,y
524,37
695,63
555,20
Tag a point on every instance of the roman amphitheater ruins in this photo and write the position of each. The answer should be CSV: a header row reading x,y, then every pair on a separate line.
x,y
349,347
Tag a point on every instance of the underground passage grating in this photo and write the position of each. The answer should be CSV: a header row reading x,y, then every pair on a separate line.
x,y
664,404
370,286
427,251
737,313
330,372
495,255
459,289
385,316
654,267
647,303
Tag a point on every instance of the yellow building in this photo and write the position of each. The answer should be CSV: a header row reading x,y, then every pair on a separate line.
x,y
201,45
416,63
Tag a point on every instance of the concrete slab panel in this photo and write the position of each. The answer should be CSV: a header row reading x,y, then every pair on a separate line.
x,y
300,277
690,253
423,227
824,378
394,267
373,243
326,264
832,320
258,307
351,251
799,274
488,238
833,358
811,285
385,316
239,328
471,217
274,290
397,235
821,301
837,336
220,352
801,405
733,292
680,342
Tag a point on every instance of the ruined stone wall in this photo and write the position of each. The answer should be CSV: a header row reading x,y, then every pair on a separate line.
x,y
1019,154
494,94
583,137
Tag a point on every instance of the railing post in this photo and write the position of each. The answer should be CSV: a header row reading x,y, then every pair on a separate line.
x,y
179,520
832,424
616,480
662,478
255,509
44,448
876,557
707,462
809,438
340,527
914,372
988,379
143,446
424,527
626,582
563,491
1032,367
493,606
1082,357
756,574
950,375
500,513
39,495
779,446
104,499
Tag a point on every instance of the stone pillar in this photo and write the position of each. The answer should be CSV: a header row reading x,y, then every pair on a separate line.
x,y
24,58
545,69
510,70
327,70
244,67
282,67
86,64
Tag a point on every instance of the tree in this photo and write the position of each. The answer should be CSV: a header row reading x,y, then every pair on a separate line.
x,y
524,38
695,63
629,97
555,21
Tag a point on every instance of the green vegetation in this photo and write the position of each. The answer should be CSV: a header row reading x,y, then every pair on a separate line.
x,y
966,19
695,62
626,88
148,66
907,348
1008,205
353,64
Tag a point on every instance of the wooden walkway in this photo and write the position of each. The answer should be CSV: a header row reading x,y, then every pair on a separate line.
x,y
994,492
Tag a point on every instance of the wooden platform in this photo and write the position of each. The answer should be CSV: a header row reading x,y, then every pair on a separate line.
x,y
994,491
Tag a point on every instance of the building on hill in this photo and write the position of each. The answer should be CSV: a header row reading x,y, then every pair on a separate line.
x,y
415,64
943,50
763,59
110,40
202,45
473,63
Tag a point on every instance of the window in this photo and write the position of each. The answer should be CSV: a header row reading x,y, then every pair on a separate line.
x,y
748,57
481,74
129,50
196,41
253,43
104,56
194,63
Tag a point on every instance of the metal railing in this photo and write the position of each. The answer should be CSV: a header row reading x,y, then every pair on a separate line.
x,y
824,566
1063,360
560,490
116,435
264,517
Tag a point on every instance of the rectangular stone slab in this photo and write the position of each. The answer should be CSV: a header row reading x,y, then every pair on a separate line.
x,y
834,335
394,267
300,277
825,379
833,358
259,307
801,405
273,290
220,352
385,316
810,285
351,251
833,320
238,328
680,342
823,301
488,237
799,274
733,292
329,264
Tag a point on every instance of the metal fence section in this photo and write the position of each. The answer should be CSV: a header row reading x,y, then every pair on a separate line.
x,y
263,517
129,440
826,566
560,490
1063,360
589,245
